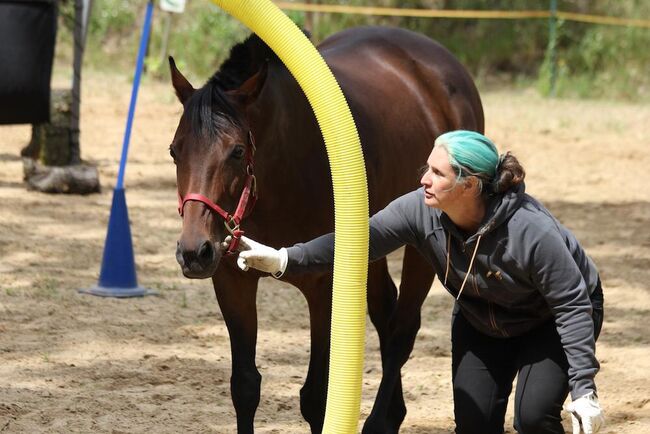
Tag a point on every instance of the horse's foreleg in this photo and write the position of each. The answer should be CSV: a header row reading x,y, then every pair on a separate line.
x,y
237,296
389,409
313,394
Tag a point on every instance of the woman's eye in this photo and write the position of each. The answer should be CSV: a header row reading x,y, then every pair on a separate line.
x,y
238,152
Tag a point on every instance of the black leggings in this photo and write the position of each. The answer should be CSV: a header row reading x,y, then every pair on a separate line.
x,y
483,369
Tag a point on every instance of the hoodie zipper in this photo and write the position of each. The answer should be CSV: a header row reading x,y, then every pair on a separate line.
x,y
493,320
471,271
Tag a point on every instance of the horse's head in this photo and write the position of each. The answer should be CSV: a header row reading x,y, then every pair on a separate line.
x,y
213,153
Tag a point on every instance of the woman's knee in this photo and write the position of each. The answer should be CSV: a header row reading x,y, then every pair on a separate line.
x,y
539,420
472,416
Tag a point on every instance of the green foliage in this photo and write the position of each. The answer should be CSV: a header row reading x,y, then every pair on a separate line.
x,y
592,60
200,39
610,61
112,17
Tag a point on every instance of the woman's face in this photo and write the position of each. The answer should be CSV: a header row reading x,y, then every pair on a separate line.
x,y
441,189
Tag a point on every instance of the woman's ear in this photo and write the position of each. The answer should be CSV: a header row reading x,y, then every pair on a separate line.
x,y
471,185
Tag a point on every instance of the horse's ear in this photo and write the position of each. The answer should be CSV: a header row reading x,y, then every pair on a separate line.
x,y
251,88
183,87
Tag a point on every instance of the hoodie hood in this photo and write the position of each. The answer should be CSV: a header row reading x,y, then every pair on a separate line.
x,y
498,210
501,207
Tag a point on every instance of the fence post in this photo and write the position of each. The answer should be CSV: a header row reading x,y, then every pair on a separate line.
x,y
552,43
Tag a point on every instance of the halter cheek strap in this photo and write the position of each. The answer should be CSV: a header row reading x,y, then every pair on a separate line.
x,y
244,207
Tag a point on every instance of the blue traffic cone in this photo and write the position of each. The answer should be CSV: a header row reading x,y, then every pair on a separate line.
x,y
117,277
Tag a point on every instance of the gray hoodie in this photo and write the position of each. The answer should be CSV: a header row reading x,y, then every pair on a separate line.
x,y
520,269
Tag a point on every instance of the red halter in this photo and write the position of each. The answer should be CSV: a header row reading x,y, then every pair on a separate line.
x,y
246,200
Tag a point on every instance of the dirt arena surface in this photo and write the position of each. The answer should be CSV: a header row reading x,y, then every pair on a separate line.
x,y
77,363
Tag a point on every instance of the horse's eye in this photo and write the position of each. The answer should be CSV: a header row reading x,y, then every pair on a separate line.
x,y
238,152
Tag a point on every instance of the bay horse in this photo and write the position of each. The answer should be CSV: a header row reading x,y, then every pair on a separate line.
x,y
249,134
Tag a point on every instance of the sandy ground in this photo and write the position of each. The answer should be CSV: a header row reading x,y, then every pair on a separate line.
x,y
76,363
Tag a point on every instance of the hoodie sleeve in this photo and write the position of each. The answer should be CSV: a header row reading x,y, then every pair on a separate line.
x,y
560,281
390,229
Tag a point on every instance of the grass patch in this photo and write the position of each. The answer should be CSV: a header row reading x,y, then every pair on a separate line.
x,y
46,287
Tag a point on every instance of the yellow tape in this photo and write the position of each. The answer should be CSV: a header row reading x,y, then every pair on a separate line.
x,y
451,13
405,12
350,198
597,19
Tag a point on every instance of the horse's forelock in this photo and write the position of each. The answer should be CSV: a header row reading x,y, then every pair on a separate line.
x,y
209,111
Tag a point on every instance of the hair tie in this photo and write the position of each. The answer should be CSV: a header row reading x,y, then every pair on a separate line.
x,y
497,169
494,185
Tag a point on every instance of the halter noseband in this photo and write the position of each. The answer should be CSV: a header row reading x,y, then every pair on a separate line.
x,y
246,200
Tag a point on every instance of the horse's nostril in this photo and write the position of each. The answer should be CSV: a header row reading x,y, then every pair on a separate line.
x,y
206,252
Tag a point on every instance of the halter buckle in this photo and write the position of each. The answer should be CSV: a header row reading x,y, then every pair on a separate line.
x,y
231,225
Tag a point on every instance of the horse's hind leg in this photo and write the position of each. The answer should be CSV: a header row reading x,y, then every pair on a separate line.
x,y
313,394
237,297
382,297
417,277
389,409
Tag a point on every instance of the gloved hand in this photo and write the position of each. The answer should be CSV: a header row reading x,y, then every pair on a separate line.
x,y
259,256
586,414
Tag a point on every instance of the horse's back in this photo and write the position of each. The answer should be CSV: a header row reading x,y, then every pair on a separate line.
x,y
409,60
404,90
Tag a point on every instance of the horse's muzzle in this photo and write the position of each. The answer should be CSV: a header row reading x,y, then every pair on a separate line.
x,y
198,263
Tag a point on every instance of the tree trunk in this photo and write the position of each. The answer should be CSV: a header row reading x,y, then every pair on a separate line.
x,y
53,139
48,159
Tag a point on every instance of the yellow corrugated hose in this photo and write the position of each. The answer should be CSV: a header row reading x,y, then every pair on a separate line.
x,y
350,202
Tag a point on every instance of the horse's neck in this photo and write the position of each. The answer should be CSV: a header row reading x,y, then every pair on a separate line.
x,y
291,163
284,125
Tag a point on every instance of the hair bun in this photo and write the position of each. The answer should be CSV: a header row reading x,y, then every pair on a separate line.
x,y
509,173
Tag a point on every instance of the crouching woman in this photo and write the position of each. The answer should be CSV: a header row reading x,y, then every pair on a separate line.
x,y
529,302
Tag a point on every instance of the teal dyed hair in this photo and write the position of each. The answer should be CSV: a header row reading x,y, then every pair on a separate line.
x,y
470,153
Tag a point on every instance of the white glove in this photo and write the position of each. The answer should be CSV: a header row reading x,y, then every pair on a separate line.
x,y
586,414
260,257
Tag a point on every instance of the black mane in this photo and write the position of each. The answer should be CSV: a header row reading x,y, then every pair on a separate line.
x,y
209,108
245,59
